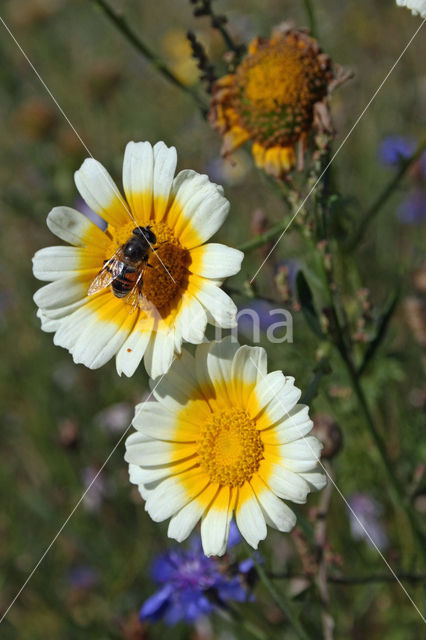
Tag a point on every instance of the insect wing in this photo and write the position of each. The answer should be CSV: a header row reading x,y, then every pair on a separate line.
x,y
107,274
133,297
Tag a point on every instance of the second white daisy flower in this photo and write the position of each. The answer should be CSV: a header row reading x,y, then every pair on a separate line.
x,y
181,280
223,437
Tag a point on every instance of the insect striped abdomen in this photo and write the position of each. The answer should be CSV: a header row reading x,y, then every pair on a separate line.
x,y
124,281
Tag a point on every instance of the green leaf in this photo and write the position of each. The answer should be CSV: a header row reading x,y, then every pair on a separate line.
x,y
304,294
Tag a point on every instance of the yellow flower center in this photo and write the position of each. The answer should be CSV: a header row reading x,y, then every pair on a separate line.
x,y
230,447
165,276
276,89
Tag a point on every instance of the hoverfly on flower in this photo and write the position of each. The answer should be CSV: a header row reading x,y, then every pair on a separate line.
x,y
150,281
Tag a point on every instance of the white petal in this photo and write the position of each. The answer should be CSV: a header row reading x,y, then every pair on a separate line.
x,y
52,263
138,171
156,420
288,485
175,389
249,517
100,341
215,261
47,324
269,387
248,367
72,327
191,321
165,159
301,455
277,513
155,452
315,479
159,353
171,495
56,313
279,408
200,208
222,311
92,341
60,293
183,522
135,474
132,351
154,474
294,425
73,227
213,364
215,524
98,344
100,192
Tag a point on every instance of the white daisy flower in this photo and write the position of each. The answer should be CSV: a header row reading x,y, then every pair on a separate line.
x,y
176,289
418,7
223,437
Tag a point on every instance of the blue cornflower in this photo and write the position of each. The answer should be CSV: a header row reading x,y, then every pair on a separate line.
x,y
191,586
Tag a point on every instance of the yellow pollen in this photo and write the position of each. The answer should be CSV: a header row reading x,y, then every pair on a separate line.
x,y
165,277
230,448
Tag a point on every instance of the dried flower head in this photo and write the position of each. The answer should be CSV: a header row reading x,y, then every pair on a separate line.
x,y
276,96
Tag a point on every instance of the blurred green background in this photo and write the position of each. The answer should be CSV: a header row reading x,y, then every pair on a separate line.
x,y
60,421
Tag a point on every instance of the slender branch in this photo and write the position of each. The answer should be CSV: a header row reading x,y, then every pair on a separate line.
x,y
385,194
134,39
218,22
282,602
311,17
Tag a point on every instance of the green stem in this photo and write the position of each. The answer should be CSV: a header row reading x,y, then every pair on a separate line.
x,y
156,62
229,42
397,495
263,238
311,17
282,602
385,194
